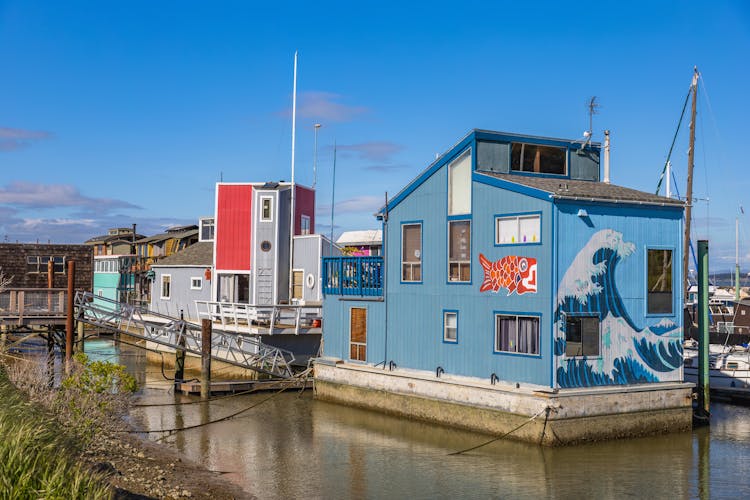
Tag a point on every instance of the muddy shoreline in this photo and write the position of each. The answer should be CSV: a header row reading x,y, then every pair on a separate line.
x,y
138,468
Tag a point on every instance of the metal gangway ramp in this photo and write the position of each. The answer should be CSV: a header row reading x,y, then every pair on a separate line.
x,y
240,350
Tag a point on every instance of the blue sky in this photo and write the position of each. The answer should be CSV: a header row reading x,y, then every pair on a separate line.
x,y
113,113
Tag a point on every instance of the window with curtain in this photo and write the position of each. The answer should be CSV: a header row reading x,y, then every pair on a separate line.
x,y
459,185
518,334
450,326
459,251
411,252
518,229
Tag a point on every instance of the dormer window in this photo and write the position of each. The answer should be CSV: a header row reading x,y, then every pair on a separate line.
x,y
459,185
538,159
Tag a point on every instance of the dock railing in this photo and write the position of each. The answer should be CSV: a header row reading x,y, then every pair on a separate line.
x,y
18,304
238,316
362,276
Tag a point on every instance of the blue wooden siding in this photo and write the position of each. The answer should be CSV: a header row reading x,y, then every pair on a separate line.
x,y
635,347
336,327
415,311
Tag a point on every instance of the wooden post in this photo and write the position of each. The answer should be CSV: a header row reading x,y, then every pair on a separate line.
x,y
179,356
80,326
50,360
50,283
703,360
205,359
69,316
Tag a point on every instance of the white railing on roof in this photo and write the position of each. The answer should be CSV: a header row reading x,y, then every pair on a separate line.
x,y
238,316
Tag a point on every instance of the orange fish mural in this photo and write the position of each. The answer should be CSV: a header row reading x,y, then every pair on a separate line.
x,y
517,274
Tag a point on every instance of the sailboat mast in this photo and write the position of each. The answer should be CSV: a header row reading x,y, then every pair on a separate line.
x,y
736,259
689,198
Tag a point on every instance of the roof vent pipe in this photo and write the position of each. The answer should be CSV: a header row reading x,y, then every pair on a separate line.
x,y
606,156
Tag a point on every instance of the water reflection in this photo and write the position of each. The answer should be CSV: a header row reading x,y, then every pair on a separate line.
x,y
291,446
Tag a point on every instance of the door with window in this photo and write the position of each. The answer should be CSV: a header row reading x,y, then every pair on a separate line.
x,y
358,333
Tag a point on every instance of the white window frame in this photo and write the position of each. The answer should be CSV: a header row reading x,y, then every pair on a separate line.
x,y
517,218
263,218
457,261
204,224
497,347
411,263
458,162
193,281
304,225
161,286
447,339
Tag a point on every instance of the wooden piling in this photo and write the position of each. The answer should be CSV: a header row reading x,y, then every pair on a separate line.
x,y
179,357
69,316
80,327
205,359
50,360
703,359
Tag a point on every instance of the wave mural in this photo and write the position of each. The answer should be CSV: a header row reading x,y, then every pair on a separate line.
x,y
628,354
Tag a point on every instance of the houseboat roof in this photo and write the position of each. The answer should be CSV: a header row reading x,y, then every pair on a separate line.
x,y
197,254
169,235
366,237
570,189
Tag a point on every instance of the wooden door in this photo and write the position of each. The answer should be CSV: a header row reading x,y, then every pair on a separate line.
x,y
358,333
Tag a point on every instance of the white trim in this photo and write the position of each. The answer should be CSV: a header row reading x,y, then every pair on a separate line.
x,y
200,283
271,210
161,287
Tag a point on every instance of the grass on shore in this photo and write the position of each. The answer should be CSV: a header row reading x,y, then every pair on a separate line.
x,y
37,460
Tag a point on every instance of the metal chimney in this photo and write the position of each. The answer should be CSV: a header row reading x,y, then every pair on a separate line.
x,y
606,157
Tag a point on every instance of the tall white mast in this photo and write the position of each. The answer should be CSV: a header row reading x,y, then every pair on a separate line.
x,y
291,216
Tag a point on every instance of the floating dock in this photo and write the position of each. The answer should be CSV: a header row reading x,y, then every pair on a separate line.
x,y
235,386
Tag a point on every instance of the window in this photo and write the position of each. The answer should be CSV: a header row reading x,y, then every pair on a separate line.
x,y
297,279
519,334
581,336
459,251
266,209
518,230
459,185
196,283
450,326
208,226
305,224
38,264
411,252
166,286
538,159
659,300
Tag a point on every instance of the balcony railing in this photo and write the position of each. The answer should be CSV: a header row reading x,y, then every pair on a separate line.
x,y
361,276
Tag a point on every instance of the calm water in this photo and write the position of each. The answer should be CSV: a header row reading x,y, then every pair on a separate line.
x,y
291,446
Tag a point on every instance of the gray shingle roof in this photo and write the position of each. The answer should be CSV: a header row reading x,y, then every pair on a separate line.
x,y
197,254
586,190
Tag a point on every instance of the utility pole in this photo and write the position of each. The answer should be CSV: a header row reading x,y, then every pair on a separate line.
x,y
689,197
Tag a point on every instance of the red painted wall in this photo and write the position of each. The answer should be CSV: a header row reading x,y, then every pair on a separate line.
x,y
304,203
233,224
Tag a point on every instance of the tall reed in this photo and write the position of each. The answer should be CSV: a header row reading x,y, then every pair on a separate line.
x,y
37,460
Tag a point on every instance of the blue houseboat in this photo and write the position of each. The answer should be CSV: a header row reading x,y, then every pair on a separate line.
x,y
516,288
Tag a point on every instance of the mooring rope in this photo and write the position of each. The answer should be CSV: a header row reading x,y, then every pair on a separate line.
x,y
222,419
545,409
